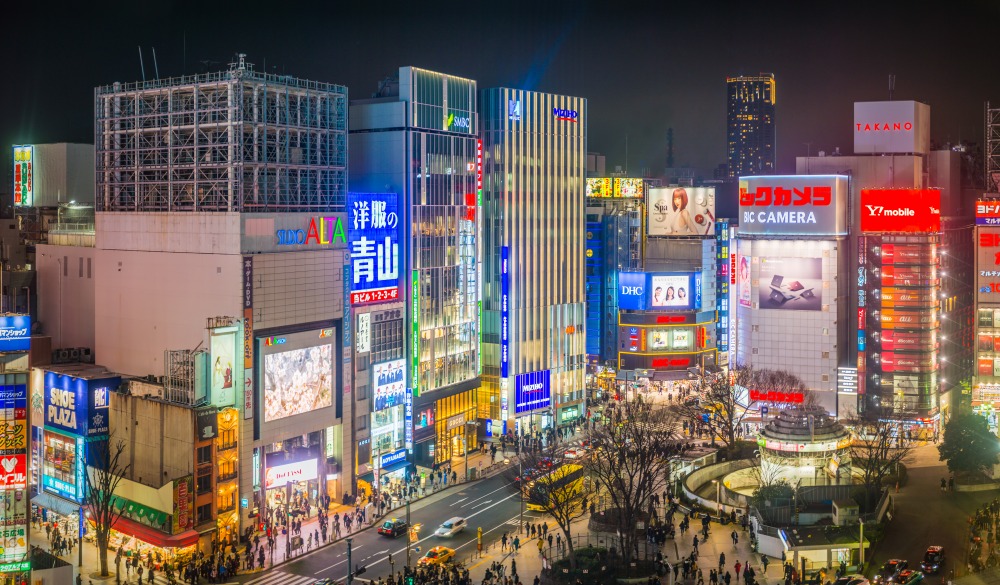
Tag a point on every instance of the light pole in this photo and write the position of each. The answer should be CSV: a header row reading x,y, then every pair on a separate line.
x,y
79,543
520,488
718,498
350,575
288,531
409,529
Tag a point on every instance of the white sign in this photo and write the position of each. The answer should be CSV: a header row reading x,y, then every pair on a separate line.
x,y
279,475
897,127
363,337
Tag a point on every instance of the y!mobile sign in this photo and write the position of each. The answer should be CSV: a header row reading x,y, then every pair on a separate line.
x,y
807,205
532,391
900,210
373,236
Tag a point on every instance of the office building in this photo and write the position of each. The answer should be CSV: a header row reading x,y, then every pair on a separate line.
x,y
416,137
750,133
534,343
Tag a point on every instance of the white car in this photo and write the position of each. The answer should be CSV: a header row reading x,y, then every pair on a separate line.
x,y
451,527
573,454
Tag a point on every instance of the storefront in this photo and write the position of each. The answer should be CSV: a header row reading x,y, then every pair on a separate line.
x,y
295,484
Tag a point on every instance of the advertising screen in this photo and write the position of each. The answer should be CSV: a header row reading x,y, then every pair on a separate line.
x,y
223,347
988,265
812,205
629,188
743,280
599,188
669,339
680,290
15,333
908,254
280,475
59,465
900,210
681,211
791,284
532,391
373,236
298,379
389,381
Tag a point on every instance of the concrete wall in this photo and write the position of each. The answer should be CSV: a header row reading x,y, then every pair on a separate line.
x,y
66,293
159,438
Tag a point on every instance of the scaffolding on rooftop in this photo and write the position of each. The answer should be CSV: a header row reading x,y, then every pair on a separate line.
x,y
231,141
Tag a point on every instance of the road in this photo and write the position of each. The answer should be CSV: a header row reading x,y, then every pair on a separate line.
x,y
925,516
492,504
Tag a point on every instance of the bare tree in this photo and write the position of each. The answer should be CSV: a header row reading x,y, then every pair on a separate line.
x,y
102,481
558,490
878,447
719,409
631,463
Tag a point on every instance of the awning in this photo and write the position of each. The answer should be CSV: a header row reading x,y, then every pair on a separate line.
x,y
56,504
155,537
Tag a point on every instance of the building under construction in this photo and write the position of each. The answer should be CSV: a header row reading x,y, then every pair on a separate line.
x,y
236,141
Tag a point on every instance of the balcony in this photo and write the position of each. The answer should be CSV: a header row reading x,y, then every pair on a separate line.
x,y
229,476
226,446
227,508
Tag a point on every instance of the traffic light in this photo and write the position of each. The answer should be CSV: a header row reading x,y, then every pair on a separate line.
x,y
410,580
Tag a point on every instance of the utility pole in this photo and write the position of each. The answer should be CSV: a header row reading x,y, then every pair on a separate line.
x,y
409,529
520,487
350,574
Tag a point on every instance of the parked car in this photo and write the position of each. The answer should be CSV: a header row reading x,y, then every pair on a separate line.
x,y
852,580
438,555
890,571
933,559
451,527
393,528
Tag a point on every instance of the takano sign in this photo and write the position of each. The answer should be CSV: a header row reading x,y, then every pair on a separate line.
x,y
807,205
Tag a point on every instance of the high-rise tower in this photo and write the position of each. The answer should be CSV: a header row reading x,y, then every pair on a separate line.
x,y
750,125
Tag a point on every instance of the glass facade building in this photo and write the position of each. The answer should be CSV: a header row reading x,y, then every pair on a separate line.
x,y
534,272
417,137
750,125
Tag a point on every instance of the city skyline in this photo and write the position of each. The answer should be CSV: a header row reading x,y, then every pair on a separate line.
x,y
823,64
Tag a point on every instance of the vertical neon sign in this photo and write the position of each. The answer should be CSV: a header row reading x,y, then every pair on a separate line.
x,y
504,313
416,332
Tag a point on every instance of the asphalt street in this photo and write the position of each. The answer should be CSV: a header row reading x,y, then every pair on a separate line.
x,y
493,504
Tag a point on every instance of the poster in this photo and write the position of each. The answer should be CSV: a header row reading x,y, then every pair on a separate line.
x,y
223,358
681,211
791,284
743,281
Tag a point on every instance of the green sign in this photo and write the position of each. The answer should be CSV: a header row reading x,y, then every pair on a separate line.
x,y
15,567
416,333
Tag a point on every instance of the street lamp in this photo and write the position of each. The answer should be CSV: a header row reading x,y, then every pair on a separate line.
x,y
718,498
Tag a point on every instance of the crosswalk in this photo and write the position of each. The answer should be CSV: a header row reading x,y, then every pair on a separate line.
x,y
282,578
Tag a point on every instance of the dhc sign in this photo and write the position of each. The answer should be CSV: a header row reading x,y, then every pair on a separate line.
x,y
566,115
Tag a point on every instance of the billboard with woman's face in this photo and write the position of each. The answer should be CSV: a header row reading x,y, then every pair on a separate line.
x,y
681,211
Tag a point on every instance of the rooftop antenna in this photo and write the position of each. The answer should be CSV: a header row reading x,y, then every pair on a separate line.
x,y
141,65
156,68
892,85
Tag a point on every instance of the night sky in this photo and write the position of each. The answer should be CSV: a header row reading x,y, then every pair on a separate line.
x,y
643,66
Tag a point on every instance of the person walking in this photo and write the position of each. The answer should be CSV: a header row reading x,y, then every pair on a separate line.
x,y
503,542
722,561
738,566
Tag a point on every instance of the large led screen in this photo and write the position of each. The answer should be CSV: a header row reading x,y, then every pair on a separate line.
x,y
743,280
599,188
390,384
791,284
681,211
298,380
675,291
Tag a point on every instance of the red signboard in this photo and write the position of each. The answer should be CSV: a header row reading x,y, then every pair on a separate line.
x,y
671,362
671,319
775,396
13,471
901,210
988,212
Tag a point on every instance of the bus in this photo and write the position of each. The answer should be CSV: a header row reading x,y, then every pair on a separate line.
x,y
568,476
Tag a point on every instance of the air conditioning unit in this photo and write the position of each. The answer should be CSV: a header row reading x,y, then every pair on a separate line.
x,y
63,356
74,354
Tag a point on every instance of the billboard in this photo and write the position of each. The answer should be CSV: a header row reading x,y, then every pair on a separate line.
x,y
504,312
15,333
62,465
743,280
669,339
988,212
78,406
24,175
632,291
14,471
373,236
896,127
298,379
681,211
675,290
599,188
532,391
389,382
988,264
223,346
280,475
791,284
629,188
900,210
812,205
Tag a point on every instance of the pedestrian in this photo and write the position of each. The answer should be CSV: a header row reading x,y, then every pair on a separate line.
x,y
503,542
738,566
695,544
735,537
541,545
763,562
722,561
517,543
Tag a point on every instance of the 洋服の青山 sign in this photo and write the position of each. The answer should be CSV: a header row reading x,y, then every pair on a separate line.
x,y
793,205
374,242
321,231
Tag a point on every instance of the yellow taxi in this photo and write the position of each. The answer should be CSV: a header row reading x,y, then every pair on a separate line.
x,y
438,555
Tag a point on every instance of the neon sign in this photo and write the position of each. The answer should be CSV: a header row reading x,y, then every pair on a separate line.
x,y
374,242
566,115
323,232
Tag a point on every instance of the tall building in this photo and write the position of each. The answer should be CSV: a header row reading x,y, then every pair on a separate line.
x,y
416,137
750,125
534,343
220,206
